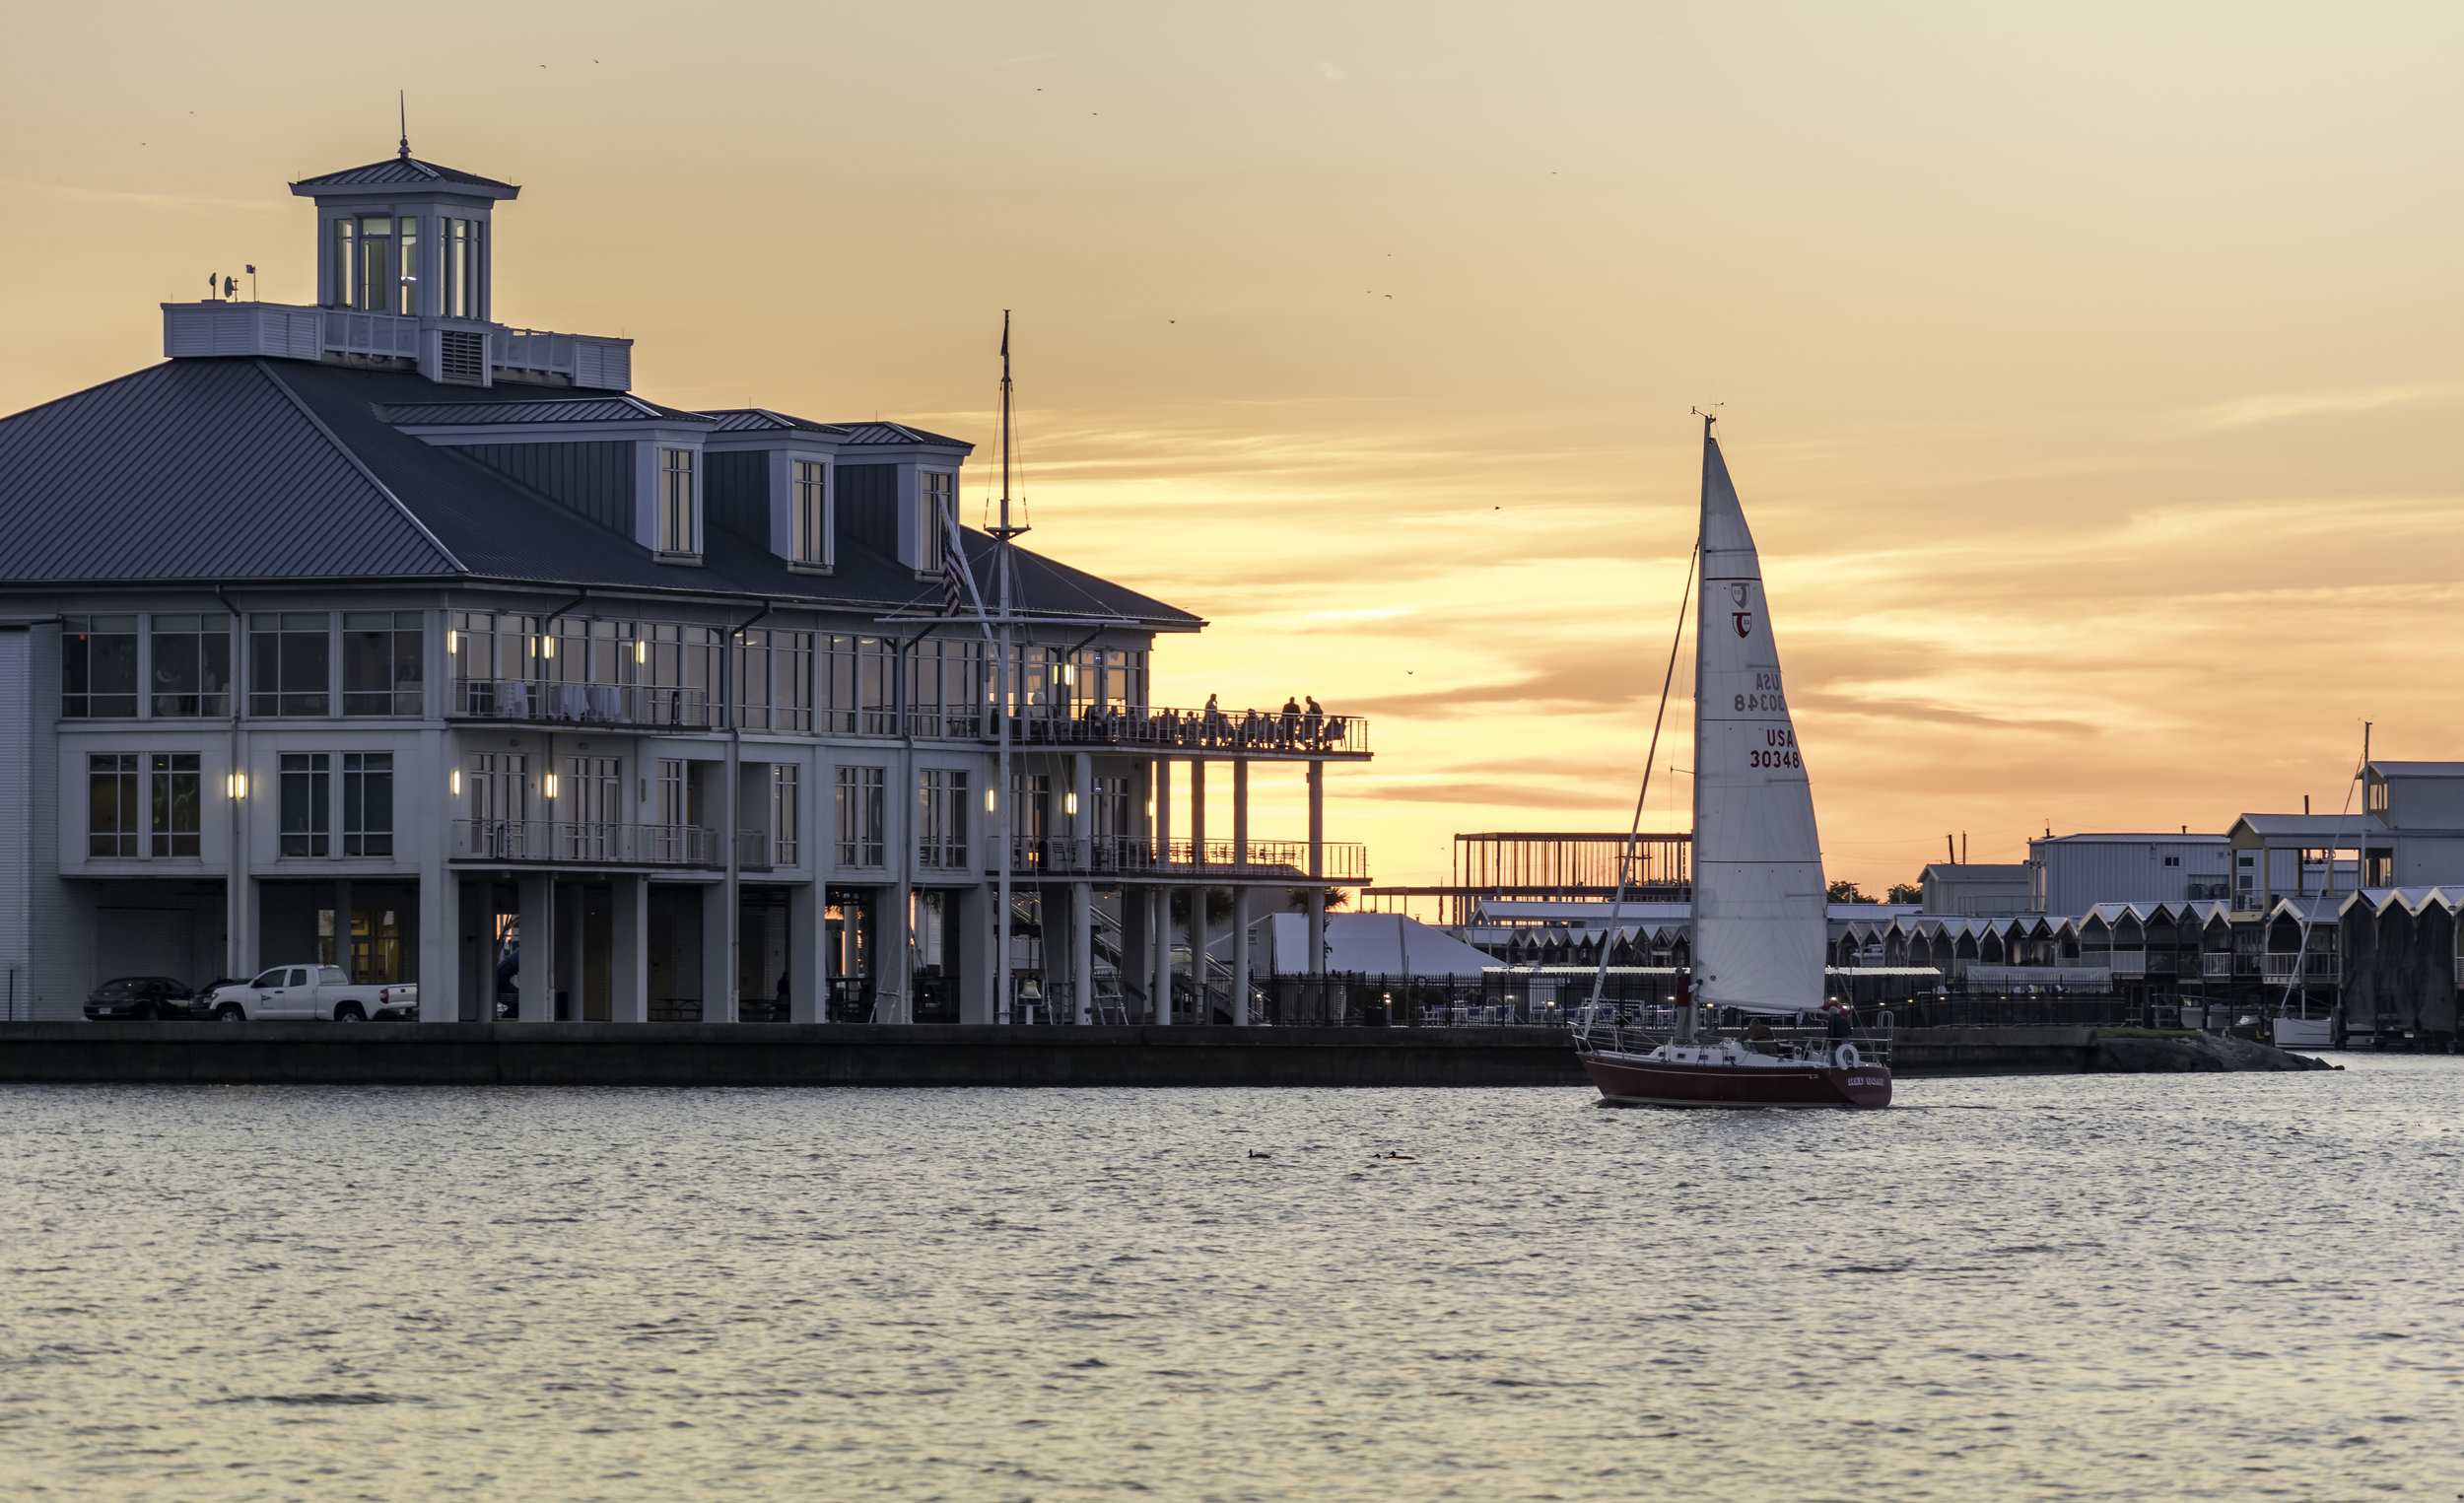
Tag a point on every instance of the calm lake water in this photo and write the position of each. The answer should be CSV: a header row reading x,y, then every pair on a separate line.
x,y
2219,1286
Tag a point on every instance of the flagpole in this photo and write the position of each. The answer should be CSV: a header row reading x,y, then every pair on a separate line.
x,y
1003,853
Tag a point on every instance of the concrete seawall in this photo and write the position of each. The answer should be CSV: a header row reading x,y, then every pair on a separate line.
x,y
863,1055
779,1053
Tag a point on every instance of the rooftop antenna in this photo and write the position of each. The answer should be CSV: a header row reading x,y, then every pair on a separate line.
x,y
402,110
252,284
1708,418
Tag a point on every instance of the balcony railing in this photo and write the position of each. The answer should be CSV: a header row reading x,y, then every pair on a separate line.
x,y
514,699
2277,968
560,841
757,850
1127,856
2217,965
1245,732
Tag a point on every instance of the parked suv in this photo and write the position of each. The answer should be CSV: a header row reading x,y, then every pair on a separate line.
x,y
142,998
310,991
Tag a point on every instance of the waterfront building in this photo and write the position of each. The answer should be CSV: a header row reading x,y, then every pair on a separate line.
x,y
1978,887
384,633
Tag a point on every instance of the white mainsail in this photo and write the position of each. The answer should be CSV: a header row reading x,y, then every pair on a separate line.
x,y
1758,932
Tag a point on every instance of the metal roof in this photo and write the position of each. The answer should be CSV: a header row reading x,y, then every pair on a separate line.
x,y
2128,838
2321,825
762,419
2418,769
859,434
194,470
592,409
405,169
1980,872
238,470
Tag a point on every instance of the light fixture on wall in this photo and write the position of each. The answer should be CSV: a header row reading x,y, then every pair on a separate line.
x,y
453,642
640,651
454,781
1069,803
547,784
235,785
988,801
547,646
1069,675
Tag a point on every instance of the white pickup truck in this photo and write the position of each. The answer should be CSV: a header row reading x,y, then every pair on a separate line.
x,y
312,991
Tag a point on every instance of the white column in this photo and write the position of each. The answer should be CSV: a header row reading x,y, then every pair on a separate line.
x,y
573,964
1239,813
1197,953
1240,951
809,988
1198,811
1162,983
893,983
719,949
629,952
1082,947
535,980
1317,867
440,941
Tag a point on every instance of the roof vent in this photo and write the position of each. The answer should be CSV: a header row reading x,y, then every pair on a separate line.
x,y
462,357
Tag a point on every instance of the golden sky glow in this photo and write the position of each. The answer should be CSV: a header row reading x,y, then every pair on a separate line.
x,y
2091,371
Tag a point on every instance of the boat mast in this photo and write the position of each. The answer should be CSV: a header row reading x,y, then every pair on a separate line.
x,y
1005,696
1693,855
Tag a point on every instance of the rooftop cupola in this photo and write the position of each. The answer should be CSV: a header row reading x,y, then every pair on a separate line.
x,y
405,281
404,237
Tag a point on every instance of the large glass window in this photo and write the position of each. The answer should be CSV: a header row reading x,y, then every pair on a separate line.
x,y
773,680
861,816
679,529
368,803
289,657
382,654
307,803
97,666
111,807
191,668
675,792
941,818
499,787
178,791
1113,810
860,686
946,684
812,513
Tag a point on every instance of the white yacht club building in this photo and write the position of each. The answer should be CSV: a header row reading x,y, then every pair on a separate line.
x,y
383,635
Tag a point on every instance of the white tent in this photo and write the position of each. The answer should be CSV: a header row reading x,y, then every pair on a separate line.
x,y
1376,944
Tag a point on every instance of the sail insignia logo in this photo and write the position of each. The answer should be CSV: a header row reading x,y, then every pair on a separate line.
x,y
1743,619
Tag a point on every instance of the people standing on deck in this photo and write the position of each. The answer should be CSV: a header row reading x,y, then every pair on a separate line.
x,y
1291,718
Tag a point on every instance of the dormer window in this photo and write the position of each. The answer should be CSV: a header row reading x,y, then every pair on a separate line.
x,y
812,479
932,519
679,525
374,255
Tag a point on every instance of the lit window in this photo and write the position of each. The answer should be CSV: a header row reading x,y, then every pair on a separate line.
x,y
178,790
812,513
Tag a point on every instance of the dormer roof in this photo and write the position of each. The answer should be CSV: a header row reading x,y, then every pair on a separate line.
x,y
588,409
404,171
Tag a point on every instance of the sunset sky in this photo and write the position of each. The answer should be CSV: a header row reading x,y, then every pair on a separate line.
x,y
2089,372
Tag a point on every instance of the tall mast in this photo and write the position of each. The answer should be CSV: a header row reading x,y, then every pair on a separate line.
x,y
1005,696
1693,850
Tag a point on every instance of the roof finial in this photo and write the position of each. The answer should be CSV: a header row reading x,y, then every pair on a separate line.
x,y
402,105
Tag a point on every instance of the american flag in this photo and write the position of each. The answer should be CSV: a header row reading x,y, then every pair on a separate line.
x,y
958,581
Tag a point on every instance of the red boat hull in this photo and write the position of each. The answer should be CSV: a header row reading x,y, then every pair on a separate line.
x,y
1632,1080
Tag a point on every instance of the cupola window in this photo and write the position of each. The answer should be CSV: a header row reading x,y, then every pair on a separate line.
x,y
941,501
460,270
372,257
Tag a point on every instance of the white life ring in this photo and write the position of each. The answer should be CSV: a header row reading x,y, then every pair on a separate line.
x,y
1844,1055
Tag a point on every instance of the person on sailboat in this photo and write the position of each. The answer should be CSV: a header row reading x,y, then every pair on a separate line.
x,y
1840,1025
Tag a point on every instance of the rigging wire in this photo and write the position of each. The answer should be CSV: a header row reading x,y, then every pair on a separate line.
x,y
1625,861
2309,912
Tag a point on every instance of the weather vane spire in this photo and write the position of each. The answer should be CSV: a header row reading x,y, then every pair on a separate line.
x,y
402,109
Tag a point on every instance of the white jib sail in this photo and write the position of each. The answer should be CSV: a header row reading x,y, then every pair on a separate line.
x,y
1760,934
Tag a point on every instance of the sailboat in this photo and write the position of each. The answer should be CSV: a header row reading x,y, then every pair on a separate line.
x,y
1759,932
